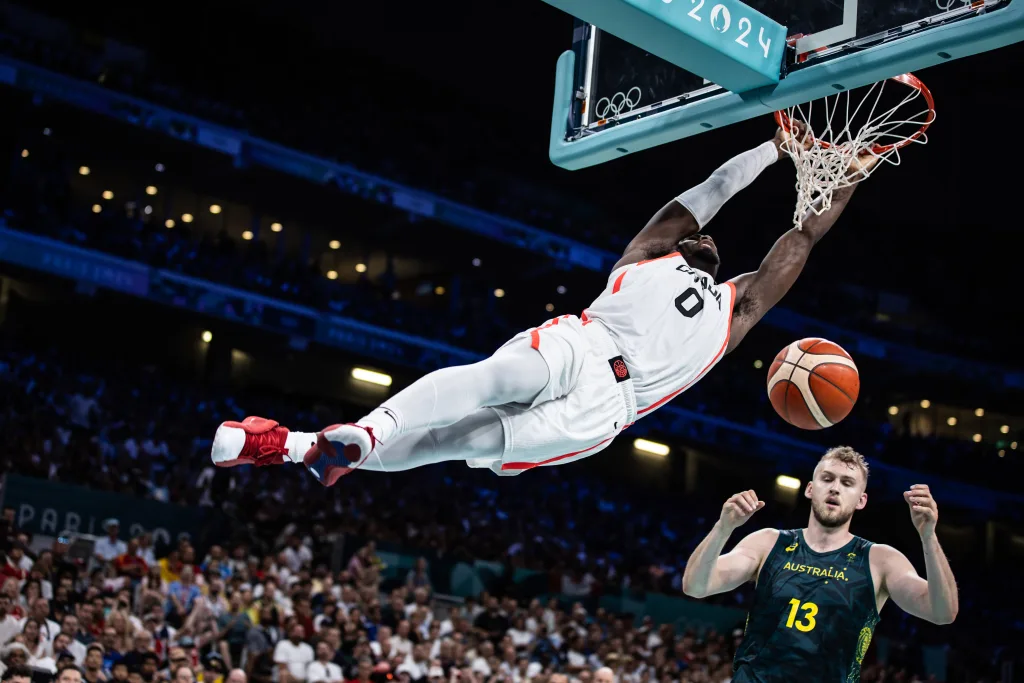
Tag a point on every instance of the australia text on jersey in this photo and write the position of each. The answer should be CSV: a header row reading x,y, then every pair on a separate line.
x,y
706,283
829,573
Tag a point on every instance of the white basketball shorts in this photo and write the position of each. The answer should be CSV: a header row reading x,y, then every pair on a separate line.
x,y
586,403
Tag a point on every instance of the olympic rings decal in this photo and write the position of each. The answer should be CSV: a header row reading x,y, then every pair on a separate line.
x,y
619,103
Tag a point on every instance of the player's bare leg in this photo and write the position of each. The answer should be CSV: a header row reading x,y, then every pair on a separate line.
x,y
408,430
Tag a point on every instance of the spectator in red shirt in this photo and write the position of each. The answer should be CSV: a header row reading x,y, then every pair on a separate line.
x,y
12,563
303,612
130,564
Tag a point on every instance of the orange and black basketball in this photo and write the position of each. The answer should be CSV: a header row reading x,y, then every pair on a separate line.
x,y
813,383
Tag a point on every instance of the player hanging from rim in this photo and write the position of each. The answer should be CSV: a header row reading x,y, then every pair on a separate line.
x,y
819,590
563,391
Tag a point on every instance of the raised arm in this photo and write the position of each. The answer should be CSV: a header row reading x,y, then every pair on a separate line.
x,y
708,571
688,213
757,292
935,599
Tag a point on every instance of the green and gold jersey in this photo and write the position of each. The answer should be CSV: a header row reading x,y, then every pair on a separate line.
x,y
812,616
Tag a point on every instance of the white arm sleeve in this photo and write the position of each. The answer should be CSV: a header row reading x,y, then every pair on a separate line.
x,y
705,200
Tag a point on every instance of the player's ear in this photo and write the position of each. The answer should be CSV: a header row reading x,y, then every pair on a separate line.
x,y
807,490
863,501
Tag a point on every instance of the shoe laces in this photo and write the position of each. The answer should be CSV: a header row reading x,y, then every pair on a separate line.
x,y
264,449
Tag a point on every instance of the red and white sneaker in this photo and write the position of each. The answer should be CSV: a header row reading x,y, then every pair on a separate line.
x,y
253,441
339,450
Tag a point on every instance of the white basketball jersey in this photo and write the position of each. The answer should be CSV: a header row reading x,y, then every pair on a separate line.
x,y
670,322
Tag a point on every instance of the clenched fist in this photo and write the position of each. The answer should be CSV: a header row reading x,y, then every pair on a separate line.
x,y
739,508
924,512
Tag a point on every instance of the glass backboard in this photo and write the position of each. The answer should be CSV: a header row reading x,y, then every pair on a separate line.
x,y
615,98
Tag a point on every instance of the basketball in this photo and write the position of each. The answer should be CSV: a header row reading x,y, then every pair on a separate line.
x,y
813,383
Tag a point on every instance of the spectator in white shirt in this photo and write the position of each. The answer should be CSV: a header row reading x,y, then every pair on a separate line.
x,y
110,546
9,626
323,670
521,636
416,663
293,656
381,647
146,551
296,555
69,625
481,663
575,660
400,643
38,646
48,628
526,670
26,562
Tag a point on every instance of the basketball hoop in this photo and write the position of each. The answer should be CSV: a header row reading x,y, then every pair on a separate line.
x,y
839,128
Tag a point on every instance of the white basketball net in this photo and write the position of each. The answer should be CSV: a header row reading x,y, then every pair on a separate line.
x,y
842,127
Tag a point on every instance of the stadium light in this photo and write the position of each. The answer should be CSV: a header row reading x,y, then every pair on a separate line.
x,y
560,289
332,275
651,447
147,209
150,190
1013,445
439,290
980,412
108,195
894,410
215,209
24,154
186,218
976,438
276,227
1005,429
159,168
169,223
247,235
787,482
499,292
549,307
207,336
360,267
1002,454
477,262
333,244
926,404
371,377
951,422
83,170
758,364
96,208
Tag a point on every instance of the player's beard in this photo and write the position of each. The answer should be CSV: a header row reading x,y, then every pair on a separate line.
x,y
704,260
830,519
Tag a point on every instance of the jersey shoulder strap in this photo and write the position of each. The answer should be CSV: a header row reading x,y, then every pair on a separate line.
x,y
786,543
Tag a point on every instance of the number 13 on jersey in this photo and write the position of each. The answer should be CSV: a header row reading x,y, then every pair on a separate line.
x,y
806,622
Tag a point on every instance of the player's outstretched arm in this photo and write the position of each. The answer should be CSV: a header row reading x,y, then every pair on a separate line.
x,y
708,571
757,292
688,213
935,599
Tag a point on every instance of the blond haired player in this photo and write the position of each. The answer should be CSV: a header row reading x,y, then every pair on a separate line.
x,y
564,390
820,590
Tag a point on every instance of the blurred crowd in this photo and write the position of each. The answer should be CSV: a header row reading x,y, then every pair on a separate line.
x,y
106,425
279,615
